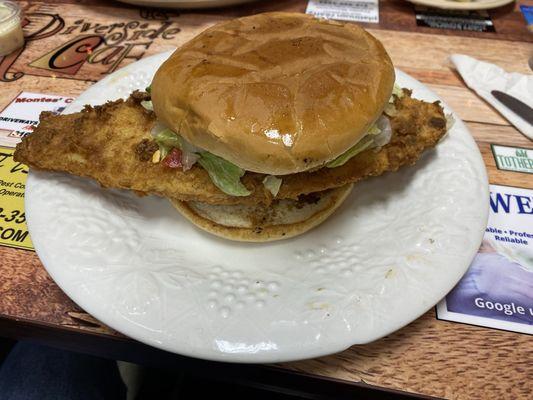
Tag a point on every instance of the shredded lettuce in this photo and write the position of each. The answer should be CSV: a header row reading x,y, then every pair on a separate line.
x,y
396,90
148,89
167,140
378,135
273,184
450,121
360,146
374,130
390,109
147,104
225,175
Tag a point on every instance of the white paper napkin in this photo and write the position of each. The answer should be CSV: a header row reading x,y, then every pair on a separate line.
x,y
483,77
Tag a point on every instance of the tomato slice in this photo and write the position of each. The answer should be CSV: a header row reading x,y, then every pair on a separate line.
x,y
173,159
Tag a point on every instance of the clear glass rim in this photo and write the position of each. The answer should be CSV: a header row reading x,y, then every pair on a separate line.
x,y
14,9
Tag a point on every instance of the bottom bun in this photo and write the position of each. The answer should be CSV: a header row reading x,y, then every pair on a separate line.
x,y
255,223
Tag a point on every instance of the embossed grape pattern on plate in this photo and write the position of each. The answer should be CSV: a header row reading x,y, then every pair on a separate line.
x,y
394,249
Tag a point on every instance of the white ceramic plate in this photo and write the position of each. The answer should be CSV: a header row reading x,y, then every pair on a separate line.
x,y
186,3
467,5
395,248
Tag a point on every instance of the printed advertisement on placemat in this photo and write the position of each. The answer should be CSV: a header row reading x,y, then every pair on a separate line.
x,y
13,229
21,115
497,290
345,10
460,20
17,120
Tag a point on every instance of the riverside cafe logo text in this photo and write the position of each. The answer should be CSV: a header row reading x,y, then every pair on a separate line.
x,y
85,49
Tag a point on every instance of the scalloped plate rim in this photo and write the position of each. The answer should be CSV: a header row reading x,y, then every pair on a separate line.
x,y
117,321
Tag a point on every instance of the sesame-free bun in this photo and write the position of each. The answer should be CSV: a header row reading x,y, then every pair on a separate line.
x,y
275,93
254,223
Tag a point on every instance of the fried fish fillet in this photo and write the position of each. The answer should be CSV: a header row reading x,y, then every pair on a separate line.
x,y
110,143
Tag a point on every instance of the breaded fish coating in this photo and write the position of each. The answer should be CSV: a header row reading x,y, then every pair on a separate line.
x,y
112,144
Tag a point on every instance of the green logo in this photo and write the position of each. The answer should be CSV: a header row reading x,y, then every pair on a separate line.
x,y
517,159
521,153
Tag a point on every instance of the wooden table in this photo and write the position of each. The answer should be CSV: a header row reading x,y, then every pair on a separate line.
x,y
428,357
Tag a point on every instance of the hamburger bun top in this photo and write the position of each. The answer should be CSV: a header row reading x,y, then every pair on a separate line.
x,y
275,93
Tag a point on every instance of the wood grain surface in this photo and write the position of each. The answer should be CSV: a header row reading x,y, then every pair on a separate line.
x,y
429,356
437,358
